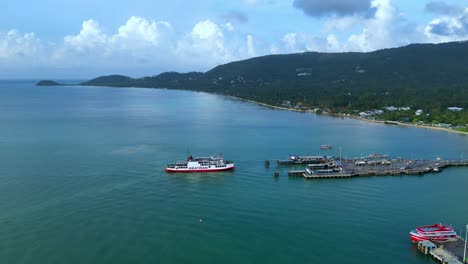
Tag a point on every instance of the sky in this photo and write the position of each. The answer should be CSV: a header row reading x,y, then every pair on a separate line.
x,y
87,38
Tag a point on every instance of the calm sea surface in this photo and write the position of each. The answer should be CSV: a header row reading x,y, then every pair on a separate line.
x,y
82,181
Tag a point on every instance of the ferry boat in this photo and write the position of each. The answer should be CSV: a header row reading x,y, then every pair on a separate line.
x,y
201,164
325,147
437,232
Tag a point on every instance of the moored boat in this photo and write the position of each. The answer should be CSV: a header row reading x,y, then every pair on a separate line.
x,y
201,164
436,232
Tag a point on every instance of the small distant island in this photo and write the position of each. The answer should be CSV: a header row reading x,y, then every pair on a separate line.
x,y
419,84
48,83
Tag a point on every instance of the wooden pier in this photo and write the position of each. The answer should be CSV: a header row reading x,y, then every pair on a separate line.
x,y
393,167
448,252
303,173
327,176
452,250
296,173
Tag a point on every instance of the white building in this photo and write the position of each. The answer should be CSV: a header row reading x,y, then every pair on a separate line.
x,y
455,109
418,112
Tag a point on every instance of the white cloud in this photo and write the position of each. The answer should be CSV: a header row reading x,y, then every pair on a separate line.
x,y
206,30
90,36
332,43
250,46
376,33
449,27
300,42
342,23
15,44
135,33
387,28
205,44
153,44
138,29
144,46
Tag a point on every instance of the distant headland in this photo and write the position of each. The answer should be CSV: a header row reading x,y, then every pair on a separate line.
x,y
48,83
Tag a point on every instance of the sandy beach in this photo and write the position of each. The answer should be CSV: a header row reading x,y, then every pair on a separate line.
x,y
394,123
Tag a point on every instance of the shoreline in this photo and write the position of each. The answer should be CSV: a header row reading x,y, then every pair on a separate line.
x,y
394,123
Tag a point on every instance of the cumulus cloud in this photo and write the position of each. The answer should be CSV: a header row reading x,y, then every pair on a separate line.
x,y
301,42
377,31
442,8
448,28
136,32
90,36
452,23
16,44
250,46
139,46
320,8
143,46
140,30
387,28
342,23
204,43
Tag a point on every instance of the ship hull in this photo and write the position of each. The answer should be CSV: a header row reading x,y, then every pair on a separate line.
x,y
200,170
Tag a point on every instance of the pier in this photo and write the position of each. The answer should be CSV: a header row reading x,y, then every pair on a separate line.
x,y
295,160
374,167
447,252
451,250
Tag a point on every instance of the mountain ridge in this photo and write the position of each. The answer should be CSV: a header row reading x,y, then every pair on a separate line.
x,y
431,76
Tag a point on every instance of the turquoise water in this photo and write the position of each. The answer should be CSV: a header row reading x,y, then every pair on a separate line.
x,y
82,181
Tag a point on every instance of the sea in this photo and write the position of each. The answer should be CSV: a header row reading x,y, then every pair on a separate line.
x,y
82,180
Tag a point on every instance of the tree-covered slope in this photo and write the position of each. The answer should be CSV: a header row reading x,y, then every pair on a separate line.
x,y
417,75
424,76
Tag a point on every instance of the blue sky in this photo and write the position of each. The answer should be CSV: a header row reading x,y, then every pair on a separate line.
x,y
87,38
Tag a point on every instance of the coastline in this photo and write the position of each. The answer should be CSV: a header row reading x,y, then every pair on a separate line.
x,y
394,123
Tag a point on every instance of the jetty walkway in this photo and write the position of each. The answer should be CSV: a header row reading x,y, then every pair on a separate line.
x,y
395,167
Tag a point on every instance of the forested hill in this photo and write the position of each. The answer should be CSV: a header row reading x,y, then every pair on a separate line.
x,y
418,75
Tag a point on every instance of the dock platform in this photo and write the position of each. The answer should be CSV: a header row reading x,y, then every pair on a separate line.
x,y
296,173
327,176
453,247
447,252
393,167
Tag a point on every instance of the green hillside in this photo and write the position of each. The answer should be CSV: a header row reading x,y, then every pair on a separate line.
x,y
431,77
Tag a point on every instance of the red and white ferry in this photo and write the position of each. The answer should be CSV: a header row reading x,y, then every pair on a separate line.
x,y
203,164
437,232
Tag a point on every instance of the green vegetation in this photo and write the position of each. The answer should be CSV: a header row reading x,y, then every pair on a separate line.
x,y
433,116
430,77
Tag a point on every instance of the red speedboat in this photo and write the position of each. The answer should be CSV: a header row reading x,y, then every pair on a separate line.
x,y
437,232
